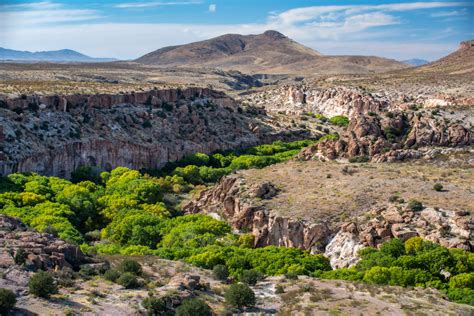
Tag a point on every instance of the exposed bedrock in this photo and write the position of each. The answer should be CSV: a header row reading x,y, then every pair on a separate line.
x,y
54,135
236,202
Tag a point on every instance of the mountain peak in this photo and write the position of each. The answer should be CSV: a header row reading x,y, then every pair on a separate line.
x,y
274,34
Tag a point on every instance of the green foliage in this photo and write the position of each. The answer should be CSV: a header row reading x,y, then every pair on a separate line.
x,y
20,256
42,284
156,306
128,280
7,301
415,205
329,137
240,295
193,307
462,280
463,296
220,272
438,187
339,120
250,277
111,275
130,266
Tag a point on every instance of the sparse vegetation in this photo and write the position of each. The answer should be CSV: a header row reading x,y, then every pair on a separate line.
x,y
193,307
42,284
438,187
7,301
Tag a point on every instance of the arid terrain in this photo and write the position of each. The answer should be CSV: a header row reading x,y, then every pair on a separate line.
x,y
284,148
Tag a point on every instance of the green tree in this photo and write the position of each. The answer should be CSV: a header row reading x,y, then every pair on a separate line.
x,y
128,280
193,307
42,284
240,295
7,301
130,266
220,272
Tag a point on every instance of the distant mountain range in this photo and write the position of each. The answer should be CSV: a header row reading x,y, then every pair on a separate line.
x,y
415,62
63,55
270,52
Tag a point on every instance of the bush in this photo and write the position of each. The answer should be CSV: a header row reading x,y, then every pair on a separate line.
x,y
463,296
155,306
240,295
7,301
193,307
250,277
438,187
111,275
220,272
339,120
128,280
462,280
42,285
279,289
20,257
130,266
415,205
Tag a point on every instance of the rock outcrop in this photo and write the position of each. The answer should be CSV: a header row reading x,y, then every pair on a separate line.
x,y
236,202
54,135
447,228
43,251
390,137
229,201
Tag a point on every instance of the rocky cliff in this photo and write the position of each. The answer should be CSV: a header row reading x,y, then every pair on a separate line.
x,y
236,202
54,135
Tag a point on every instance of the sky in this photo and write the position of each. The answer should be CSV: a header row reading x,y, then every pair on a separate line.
x,y
129,29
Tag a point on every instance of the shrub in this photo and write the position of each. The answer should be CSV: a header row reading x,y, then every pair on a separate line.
x,y
250,277
240,295
155,306
279,289
377,275
193,307
130,266
220,272
415,205
111,275
20,257
339,120
128,280
438,187
7,301
42,284
463,296
462,280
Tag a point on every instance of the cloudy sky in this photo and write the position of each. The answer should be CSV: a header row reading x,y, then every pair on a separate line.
x,y
129,29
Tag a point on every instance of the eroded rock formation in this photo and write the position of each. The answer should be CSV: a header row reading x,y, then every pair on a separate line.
x,y
54,135
236,202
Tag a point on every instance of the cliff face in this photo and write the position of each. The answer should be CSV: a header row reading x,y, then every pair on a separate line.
x,y
237,202
54,135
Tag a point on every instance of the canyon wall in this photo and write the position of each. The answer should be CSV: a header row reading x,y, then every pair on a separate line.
x,y
54,135
238,203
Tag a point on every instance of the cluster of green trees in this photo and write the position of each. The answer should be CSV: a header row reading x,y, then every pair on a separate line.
x,y
123,206
414,263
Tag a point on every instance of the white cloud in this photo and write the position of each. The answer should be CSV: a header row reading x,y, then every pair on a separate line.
x,y
31,5
153,4
445,14
212,8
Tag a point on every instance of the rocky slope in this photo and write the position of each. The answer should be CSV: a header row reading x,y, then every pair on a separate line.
x,y
56,134
237,202
270,52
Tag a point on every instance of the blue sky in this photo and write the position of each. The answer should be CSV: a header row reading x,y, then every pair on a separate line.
x,y
129,29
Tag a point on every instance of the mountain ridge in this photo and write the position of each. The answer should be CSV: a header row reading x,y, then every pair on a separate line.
x,y
269,52
62,55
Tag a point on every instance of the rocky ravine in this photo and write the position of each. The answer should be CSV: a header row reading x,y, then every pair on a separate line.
x,y
54,135
234,201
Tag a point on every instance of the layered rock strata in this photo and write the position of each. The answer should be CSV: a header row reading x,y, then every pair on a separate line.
x,y
54,135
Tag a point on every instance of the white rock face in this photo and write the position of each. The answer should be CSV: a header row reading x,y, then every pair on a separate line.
x,y
342,250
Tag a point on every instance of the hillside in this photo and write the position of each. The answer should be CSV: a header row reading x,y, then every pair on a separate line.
x,y
459,62
270,52
63,55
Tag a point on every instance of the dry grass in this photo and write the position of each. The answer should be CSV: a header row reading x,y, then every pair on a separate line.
x,y
307,192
